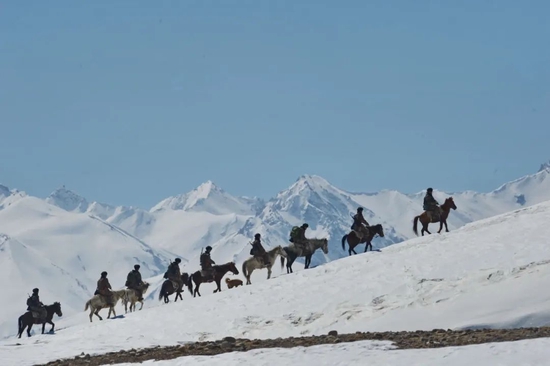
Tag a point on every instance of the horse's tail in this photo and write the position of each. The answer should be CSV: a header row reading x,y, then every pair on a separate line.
x,y
244,269
190,284
88,304
161,292
344,241
415,224
20,324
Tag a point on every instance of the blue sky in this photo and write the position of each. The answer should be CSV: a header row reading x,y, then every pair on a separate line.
x,y
129,102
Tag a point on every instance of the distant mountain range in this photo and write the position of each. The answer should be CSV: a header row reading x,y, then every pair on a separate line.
x,y
63,242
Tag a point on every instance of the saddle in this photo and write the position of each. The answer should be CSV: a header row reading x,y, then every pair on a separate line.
x,y
175,285
208,274
358,234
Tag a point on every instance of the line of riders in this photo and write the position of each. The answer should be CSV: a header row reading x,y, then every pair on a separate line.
x,y
297,237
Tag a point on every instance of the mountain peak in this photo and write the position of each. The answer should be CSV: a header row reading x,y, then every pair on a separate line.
x,y
206,189
208,197
311,182
67,200
545,166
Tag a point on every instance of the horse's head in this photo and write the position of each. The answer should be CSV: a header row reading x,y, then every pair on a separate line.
x,y
449,202
280,251
324,245
378,229
57,309
233,268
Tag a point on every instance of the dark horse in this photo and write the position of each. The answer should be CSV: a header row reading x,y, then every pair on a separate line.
x,y
27,320
219,272
354,241
425,219
167,289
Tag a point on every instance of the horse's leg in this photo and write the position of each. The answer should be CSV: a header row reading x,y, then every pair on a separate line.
x,y
307,261
269,272
29,327
446,227
53,325
197,289
219,284
97,314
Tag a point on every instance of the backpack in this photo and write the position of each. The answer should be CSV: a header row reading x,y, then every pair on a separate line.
x,y
29,301
294,233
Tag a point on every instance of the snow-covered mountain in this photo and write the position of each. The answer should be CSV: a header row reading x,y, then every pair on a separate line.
x,y
186,223
80,238
486,274
62,253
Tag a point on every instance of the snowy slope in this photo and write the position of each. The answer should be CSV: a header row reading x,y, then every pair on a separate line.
x,y
208,215
489,273
63,253
529,352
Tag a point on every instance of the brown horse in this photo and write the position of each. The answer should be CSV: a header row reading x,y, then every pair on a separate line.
x,y
219,272
167,289
425,218
27,319
354,241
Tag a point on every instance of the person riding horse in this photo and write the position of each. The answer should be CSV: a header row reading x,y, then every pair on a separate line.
x,y
299,239
258,251
35,306
431,206
207,271
104,289
360,225
174,274
134,282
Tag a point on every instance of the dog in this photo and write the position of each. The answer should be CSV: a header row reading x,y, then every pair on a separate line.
x,y
233,283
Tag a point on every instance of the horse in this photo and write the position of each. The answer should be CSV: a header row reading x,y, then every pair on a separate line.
x,y
28,320
131,297
97,302
167,289
353,240
426,219
293,252
219,272
253,263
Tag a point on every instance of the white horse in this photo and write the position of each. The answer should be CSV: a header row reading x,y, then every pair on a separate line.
x,y
97,302
294,251
253,263
132,298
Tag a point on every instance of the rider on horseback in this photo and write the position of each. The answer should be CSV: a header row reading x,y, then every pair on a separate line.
x,y
134,282
35,306
104,289
207,271
258,251
431,206
174,274
299,237
358,222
